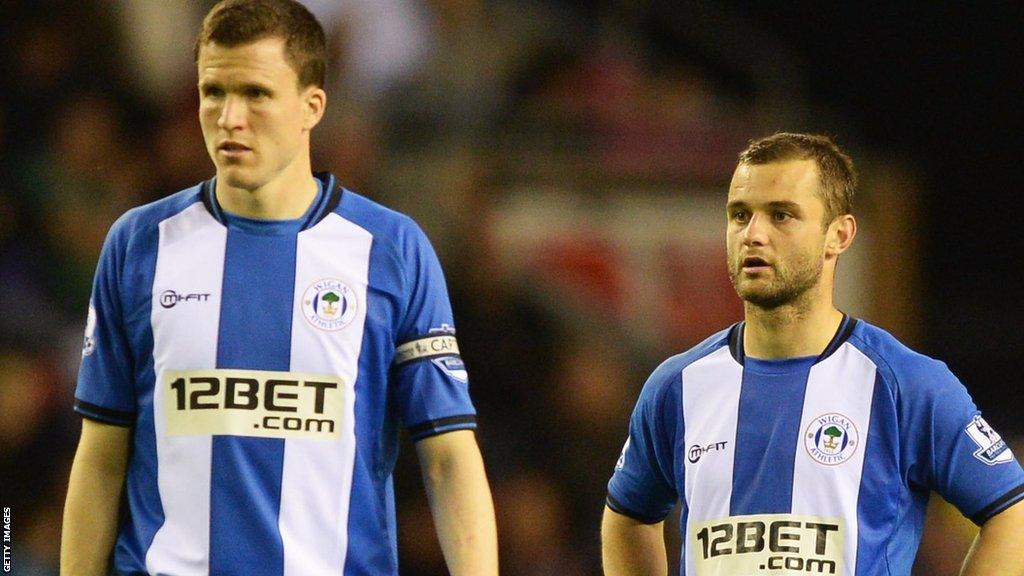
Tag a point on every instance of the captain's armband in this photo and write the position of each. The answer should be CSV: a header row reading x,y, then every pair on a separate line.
x,y
428,347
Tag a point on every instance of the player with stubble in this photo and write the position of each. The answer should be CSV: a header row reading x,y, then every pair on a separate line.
x,y
256,342
802,440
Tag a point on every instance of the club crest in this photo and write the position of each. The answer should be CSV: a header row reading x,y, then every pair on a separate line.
x,y
831,439
329,304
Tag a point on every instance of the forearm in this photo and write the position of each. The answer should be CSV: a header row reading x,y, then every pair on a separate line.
x,y
91,509
460,502
999,548
629,547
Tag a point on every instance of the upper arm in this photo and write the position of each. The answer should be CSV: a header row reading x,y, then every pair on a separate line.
x,y
104,447
953,450
446,447
451,459
105,389
1010,519
997,548
614,524
629,546
431,385
643,484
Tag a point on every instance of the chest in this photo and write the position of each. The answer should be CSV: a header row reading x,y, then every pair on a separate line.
x,y
757,442
207,296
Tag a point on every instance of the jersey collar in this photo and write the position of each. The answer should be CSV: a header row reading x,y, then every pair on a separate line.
x,y
327,203
842,335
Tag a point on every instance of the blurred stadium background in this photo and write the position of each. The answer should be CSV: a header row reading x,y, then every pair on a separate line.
x,y
569,161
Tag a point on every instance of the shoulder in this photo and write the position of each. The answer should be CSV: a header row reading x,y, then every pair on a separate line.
x,y
147,218
668,375
135,233
382,222
396,236
903,368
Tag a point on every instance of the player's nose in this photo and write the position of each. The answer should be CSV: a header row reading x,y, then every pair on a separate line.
x,y
232,114
755,230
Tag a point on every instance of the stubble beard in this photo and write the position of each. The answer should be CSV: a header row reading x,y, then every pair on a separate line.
x,y
789,287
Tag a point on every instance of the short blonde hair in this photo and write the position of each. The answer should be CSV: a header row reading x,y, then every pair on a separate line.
x,y
835,168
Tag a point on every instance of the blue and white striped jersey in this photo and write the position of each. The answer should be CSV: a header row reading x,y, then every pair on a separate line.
x,y
265,367
818,465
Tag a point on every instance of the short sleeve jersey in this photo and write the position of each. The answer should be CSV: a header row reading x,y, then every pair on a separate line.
x,y
266,368
818,465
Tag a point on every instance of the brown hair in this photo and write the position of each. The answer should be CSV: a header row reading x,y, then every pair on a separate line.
x,y
835,168
236,22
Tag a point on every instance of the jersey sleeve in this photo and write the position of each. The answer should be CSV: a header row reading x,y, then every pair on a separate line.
x,y
952,450
431,381
105,390
642,486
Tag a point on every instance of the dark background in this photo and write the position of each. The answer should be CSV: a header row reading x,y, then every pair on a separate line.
x,y
940,84
595,99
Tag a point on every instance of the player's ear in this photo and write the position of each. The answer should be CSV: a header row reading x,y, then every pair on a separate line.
x,y
839,235
314,101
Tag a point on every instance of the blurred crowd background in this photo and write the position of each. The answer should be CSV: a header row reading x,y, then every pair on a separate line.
x,y
569,161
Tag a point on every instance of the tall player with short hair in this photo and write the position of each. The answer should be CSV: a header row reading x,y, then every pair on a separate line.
x,y
254,343
801,440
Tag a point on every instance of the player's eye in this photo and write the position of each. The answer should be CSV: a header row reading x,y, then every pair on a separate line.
x,y
739,216
212,91
255,93
781,216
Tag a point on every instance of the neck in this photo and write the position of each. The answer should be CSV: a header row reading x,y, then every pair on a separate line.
x,y
791,330
287,197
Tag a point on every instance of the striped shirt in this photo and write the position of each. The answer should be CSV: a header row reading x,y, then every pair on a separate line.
x,y
266,368
818,465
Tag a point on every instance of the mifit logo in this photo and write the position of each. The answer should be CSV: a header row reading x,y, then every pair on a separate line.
x,y
169,298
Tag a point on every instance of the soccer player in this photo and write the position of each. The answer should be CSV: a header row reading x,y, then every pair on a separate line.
x,y
253,345
802,440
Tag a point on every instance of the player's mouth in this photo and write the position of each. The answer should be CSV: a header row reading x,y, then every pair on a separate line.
x,y
232,149
755,265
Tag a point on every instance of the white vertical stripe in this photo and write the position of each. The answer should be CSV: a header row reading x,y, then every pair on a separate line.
x,y
314,507
190,260
843,383
711,401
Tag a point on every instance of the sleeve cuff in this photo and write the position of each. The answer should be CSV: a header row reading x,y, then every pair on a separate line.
x,y
442,425
104,415
1001,503
618,508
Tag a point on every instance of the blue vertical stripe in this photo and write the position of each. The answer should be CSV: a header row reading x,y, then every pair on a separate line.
x,y
680,472
771,403
371,510
878,499
141,487
254,334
